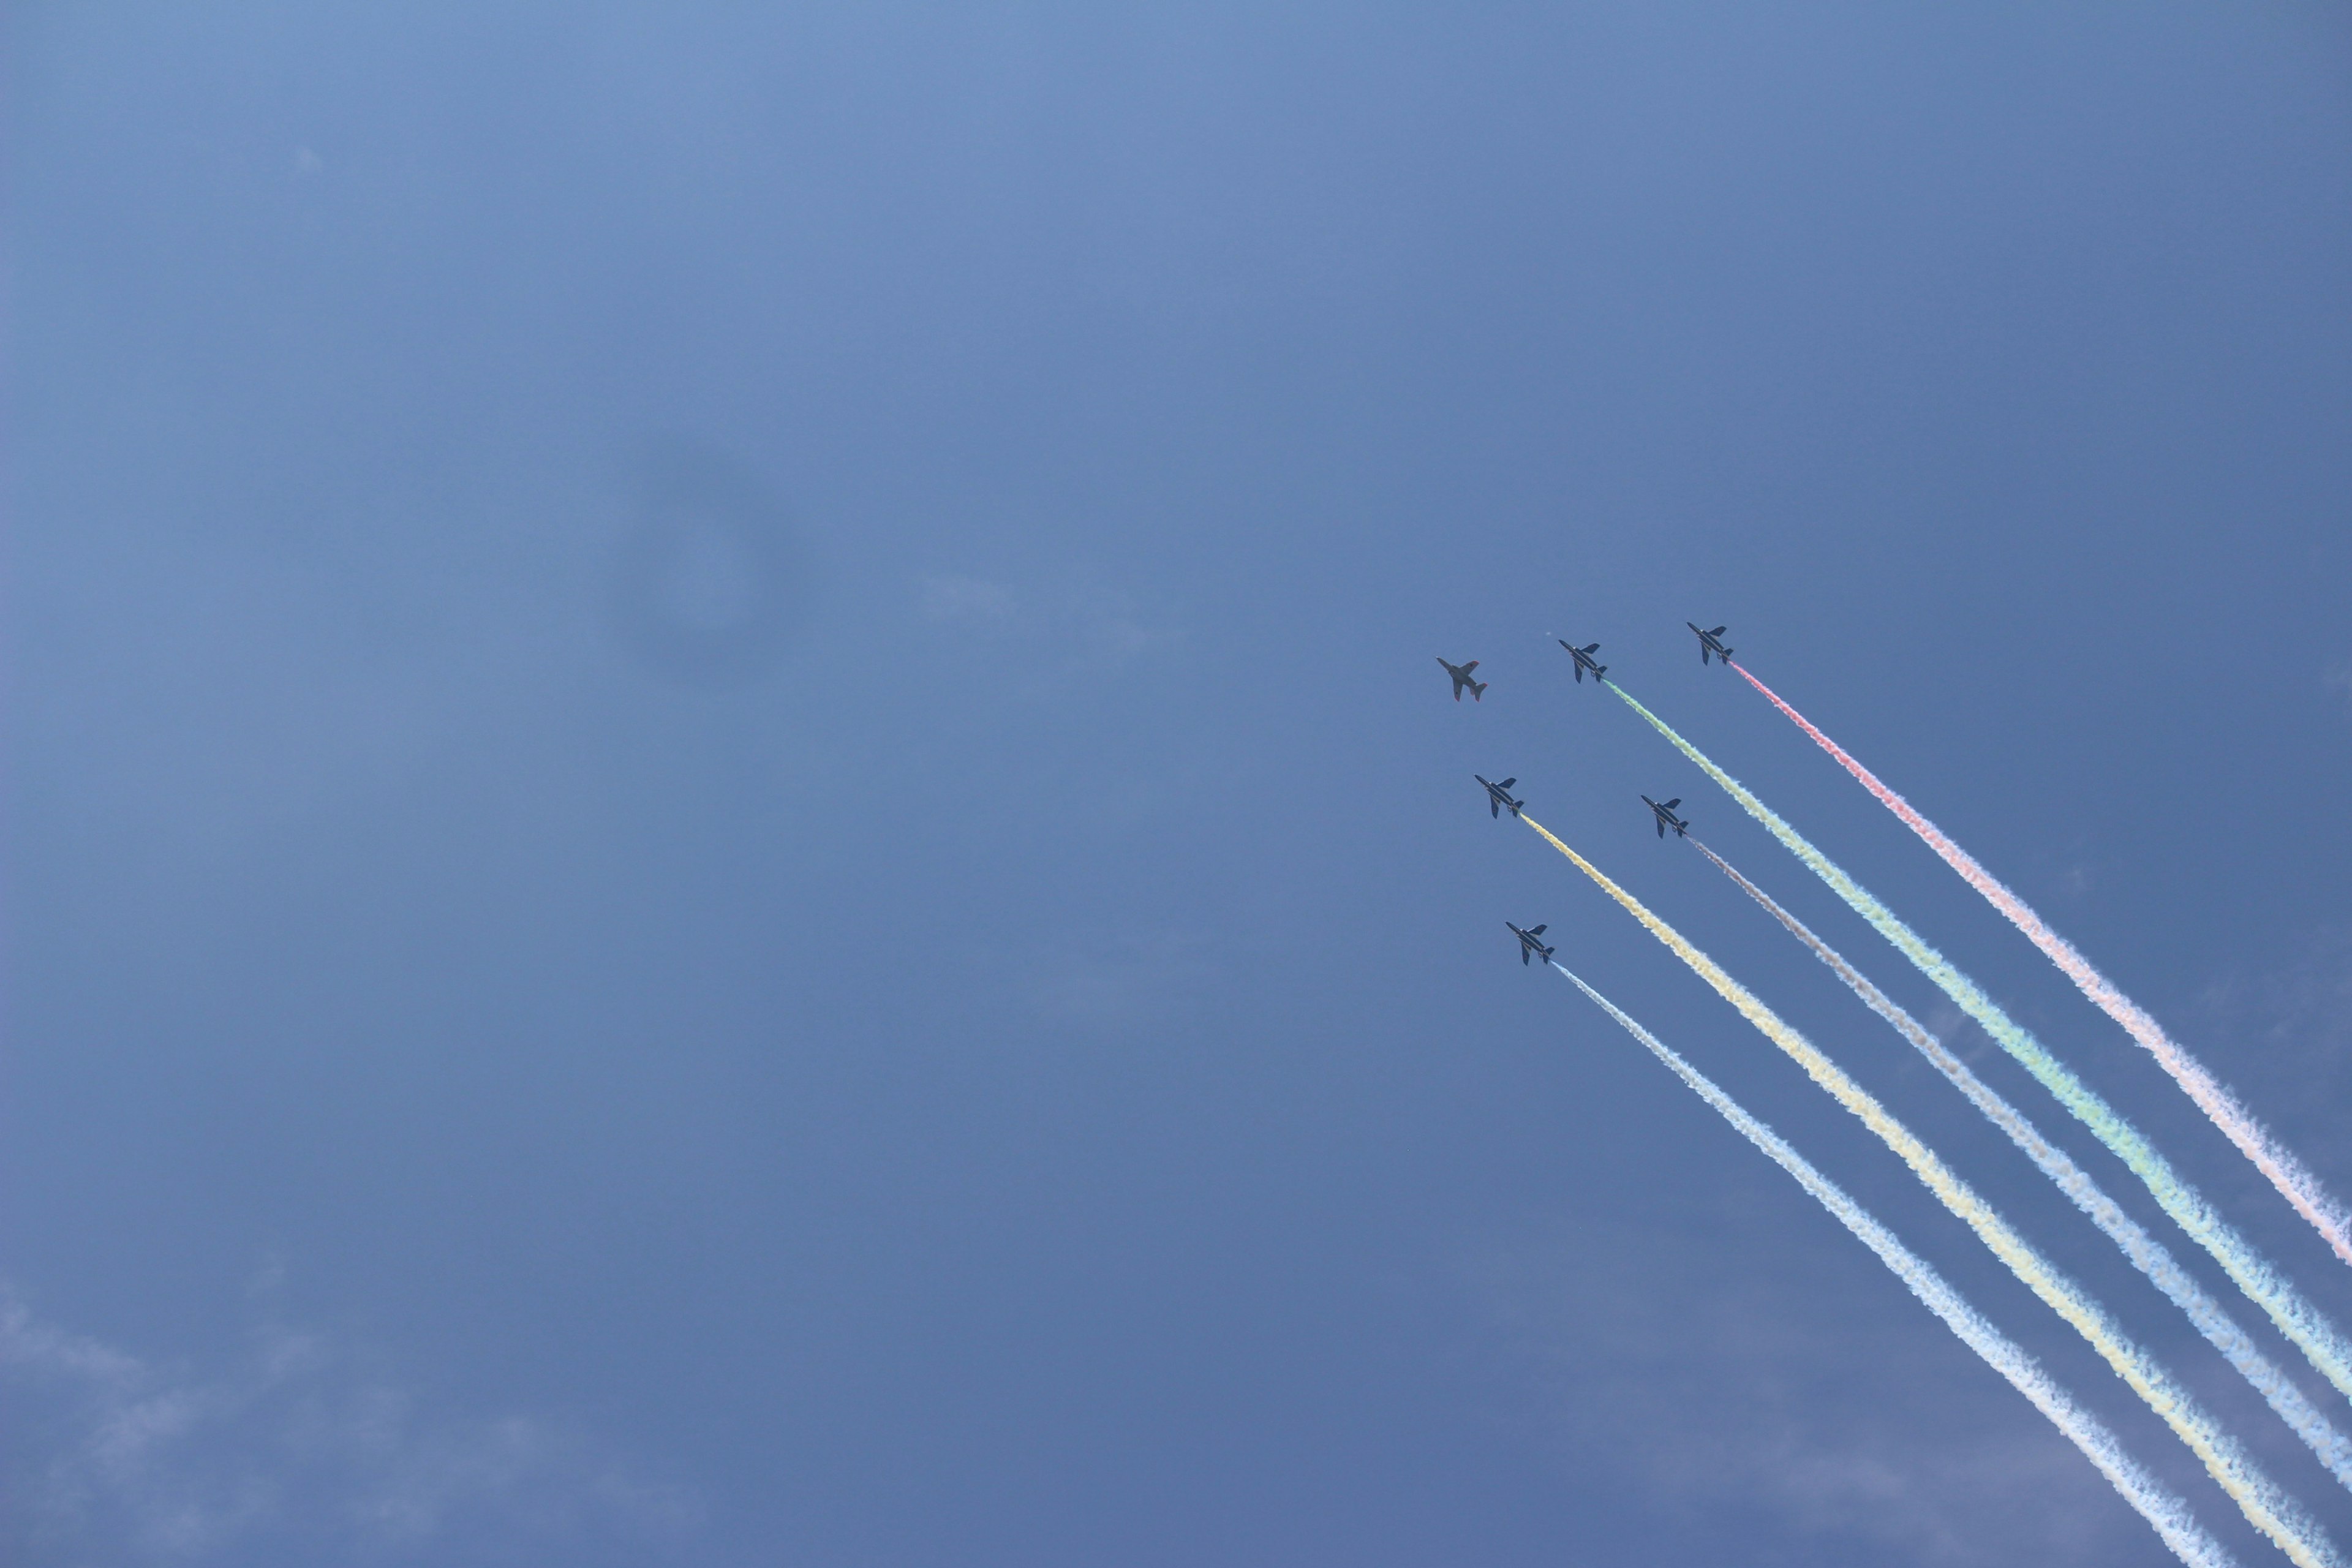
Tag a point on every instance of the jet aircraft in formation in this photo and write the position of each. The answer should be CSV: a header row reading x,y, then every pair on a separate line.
x,y
1498,796
1584,659
1710,646
1529,947
1666,818
1711,643
1460,674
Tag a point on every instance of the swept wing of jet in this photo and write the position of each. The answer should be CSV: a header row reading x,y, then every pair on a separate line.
x,y
1711,643
1584,659
1498,796
1460,674
1666,818
1529,946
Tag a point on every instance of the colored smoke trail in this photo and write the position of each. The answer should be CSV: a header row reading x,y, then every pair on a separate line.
x,y
2297,1318
2288,1174
2167,1513
2148,1255
2270,1510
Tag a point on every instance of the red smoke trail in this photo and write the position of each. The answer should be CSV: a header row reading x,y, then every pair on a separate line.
x,y
2287,1174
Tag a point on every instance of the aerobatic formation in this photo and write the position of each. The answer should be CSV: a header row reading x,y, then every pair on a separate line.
x,y
2267,1506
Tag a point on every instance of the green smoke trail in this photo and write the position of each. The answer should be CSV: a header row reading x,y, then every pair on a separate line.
x,y
2290,1176
2147,1254
2270,1510
2297,1318
2168,1515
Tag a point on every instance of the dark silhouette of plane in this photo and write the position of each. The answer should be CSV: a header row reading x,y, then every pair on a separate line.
x,y
1711,643
1498,796
1666,818
1460,674
1584,661
1530,948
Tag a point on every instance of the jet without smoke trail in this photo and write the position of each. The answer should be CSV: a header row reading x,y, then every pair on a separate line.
x,y
2287,1174
2168,1515
2284,1305
2269,1510
2146,1253
1460,674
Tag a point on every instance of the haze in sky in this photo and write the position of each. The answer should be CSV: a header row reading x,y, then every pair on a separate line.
x,y
728,837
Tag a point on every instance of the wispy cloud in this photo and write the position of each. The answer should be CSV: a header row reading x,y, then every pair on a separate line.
x,y
1068,621
2290,1027
1109,989
970,602
1736,1398
303,1449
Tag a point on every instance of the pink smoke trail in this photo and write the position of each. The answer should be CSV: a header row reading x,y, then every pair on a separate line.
x,y
2288,1174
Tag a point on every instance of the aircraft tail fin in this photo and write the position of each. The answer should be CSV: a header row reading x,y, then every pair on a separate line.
x,y
1478,690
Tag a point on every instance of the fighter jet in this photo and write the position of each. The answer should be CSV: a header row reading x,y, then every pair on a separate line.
x,y
1711,643
1498,796
1666,818
1530,948
1460,674
1584,659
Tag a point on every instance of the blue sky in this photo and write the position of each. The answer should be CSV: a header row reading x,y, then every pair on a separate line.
x,y
1017,1058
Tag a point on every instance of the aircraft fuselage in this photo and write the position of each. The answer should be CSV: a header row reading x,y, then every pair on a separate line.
x,y
1460,674
1584,659
1498,796
1530,943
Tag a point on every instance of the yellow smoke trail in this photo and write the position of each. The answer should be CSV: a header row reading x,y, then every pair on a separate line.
x,y
2269,1510
2148,1255
2167,1513
2290,1176
2297,1318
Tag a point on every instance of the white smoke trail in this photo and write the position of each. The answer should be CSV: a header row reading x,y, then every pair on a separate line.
x,y
2148,1254
2167,1514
